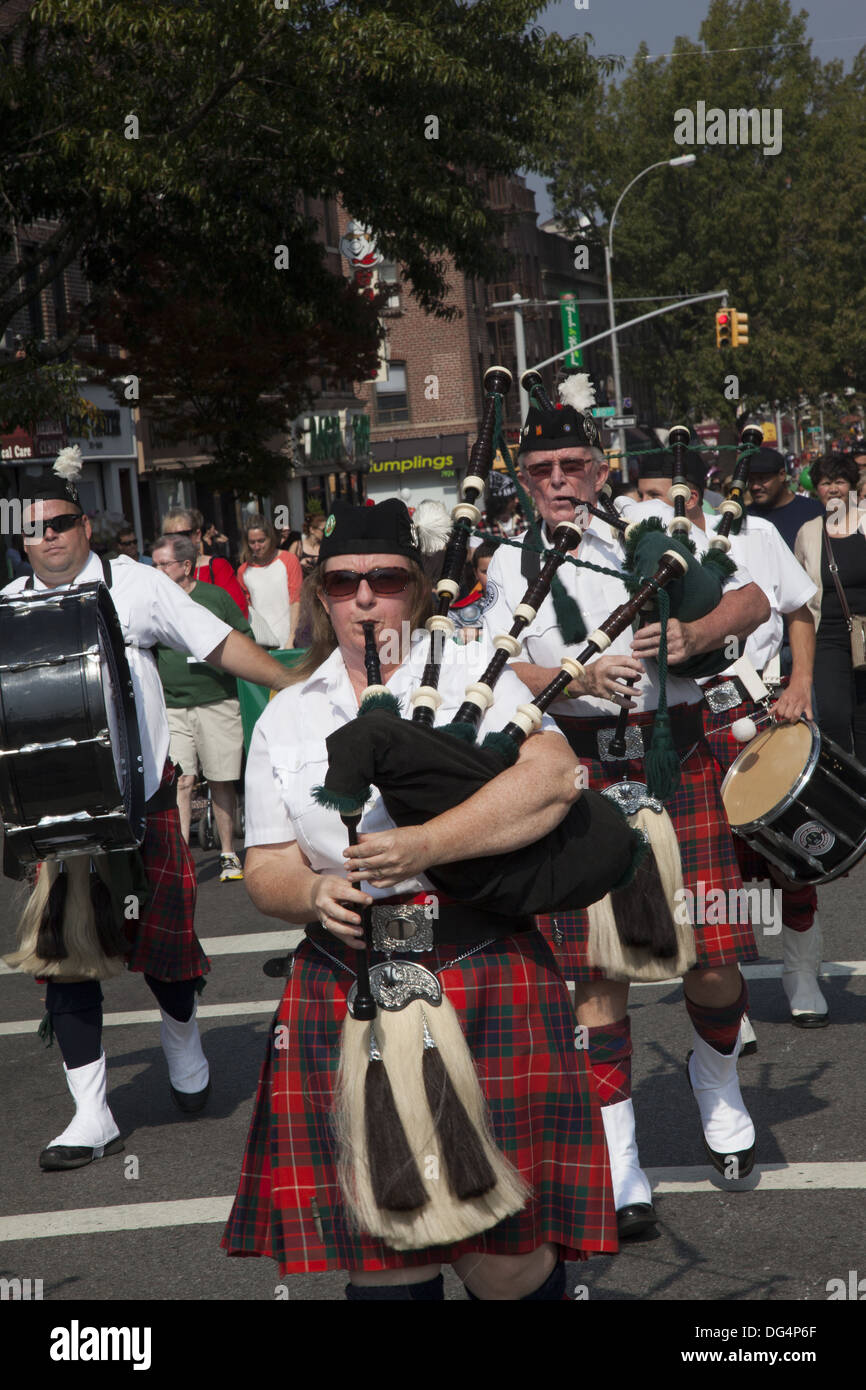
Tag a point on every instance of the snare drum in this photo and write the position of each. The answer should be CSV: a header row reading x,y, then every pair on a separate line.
x,y
71,769
800,801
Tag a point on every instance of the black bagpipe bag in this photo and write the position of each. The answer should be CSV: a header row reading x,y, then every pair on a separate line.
x,y
423,772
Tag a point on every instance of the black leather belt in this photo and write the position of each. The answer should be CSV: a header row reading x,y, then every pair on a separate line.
x,y
686,722
454,923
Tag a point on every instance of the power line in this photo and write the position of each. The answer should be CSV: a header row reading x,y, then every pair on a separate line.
x,y
749,48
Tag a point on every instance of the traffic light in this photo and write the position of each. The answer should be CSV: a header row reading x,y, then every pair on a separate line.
x,y
739,328
723,328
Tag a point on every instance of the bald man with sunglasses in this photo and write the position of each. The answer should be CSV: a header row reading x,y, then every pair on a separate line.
x,y
165,948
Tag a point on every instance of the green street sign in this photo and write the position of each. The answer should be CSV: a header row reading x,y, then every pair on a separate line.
x,y
570,316
602,412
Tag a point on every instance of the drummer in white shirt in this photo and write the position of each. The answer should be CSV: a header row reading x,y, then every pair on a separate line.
x,y
760,549
165,947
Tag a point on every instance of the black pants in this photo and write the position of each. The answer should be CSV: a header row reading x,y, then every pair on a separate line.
x,y
76,1014
840,693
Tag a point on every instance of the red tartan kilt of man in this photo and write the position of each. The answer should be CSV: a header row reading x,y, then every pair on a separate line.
x,y
516,1015
708,857
725,749
163,940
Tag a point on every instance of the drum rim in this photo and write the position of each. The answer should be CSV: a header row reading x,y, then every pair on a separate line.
x,y
764,822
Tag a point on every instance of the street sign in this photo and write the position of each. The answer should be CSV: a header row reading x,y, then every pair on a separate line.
x,y
601,412
570,316
621,422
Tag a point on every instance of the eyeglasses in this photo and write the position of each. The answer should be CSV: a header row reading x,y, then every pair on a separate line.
x,y
540,472
182,533
384,582
131,541
59,524
164,564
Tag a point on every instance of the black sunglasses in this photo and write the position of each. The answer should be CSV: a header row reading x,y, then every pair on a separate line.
x,y
182,533
383,582
59,524
571,468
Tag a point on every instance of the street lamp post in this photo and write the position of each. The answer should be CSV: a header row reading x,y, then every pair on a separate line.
x,y
681,161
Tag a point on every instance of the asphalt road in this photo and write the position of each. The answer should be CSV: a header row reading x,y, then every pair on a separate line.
x,y
797,1226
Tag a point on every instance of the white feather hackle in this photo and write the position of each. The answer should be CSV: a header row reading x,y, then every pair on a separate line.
x,y
68,463
433,524
577,391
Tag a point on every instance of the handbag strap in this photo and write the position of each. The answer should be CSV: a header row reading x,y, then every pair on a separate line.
x,y
834,570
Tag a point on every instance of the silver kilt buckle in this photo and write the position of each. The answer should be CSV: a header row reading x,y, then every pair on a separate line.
x,y
401,927
723,697
634,748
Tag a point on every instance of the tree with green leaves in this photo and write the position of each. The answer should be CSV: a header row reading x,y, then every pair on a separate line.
x,y
170,146
783,233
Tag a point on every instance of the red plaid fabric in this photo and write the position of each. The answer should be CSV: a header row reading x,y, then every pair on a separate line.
x,y
610,1052
708,857
163,940
799,905
516,1014
720,1026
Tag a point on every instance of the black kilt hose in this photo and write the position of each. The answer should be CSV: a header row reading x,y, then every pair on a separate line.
x,y
707,852
516,1015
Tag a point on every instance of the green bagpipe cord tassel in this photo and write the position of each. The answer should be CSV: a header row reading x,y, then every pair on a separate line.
x,y
501,742
467,732
336,801
384,701
45,1031
716,559
568,615
662,759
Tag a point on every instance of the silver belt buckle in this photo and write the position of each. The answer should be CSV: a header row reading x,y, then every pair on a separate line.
x,y
401,927
632,797
633,744
723,697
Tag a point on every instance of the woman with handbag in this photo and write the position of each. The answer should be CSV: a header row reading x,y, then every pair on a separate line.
x,y
832,550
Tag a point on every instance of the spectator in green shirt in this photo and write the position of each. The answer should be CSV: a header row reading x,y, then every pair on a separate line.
x,y
204,716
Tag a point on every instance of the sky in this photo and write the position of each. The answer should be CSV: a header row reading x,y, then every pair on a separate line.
x,y
836,27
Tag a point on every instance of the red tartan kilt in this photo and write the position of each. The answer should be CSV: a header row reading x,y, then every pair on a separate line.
x,y
516,1014
163,940
708,856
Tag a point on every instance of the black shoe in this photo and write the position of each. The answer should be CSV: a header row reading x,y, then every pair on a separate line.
x,y
744,1161
633,1220
58,1157
191,1102
749,1049
810,1020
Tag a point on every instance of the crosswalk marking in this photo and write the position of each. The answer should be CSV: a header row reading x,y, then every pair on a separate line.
x,y
275,942
198,1211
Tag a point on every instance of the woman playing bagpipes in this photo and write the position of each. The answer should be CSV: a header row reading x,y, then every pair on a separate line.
x,y
561,467
354,1160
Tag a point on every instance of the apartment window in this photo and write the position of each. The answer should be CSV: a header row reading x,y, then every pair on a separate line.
x,y
389,280
392,401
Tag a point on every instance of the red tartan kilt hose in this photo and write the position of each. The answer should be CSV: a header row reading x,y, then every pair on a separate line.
x,y
708,857
725,749
163,940
515,1013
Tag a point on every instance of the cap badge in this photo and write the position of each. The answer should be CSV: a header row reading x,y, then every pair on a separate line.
x,y
330,524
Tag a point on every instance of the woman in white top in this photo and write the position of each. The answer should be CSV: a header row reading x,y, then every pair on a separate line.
x,y
511,1002
271,578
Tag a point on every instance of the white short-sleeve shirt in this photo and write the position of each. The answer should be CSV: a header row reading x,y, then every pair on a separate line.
x,y
288,757
760,548
597,596
151,609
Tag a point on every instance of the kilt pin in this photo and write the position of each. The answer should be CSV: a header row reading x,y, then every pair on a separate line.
x,y
516,1015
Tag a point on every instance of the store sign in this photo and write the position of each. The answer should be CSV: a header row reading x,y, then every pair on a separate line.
x,y
570,317
341,438
46,442
111,433
444,457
